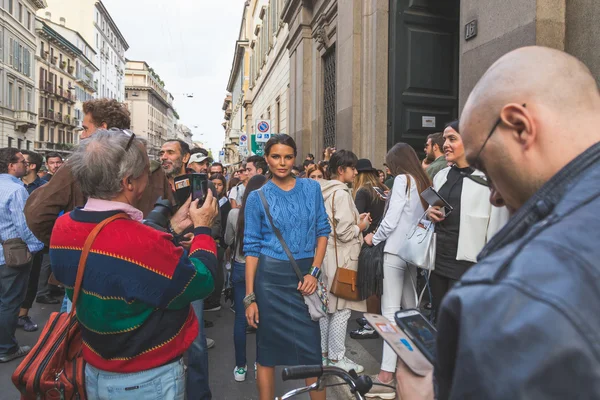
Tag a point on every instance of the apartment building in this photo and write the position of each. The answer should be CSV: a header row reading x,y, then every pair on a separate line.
x,y
18,118
61,65
93,21
148,102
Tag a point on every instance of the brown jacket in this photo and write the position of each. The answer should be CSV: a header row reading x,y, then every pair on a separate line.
x,y
63,193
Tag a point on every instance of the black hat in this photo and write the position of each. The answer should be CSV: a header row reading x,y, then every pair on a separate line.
x,y
364,165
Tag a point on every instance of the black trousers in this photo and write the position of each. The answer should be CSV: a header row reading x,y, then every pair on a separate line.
x,y
34,276
440,285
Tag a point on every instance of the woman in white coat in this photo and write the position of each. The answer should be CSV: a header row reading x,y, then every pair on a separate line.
x,y
399,279
343,248
462,233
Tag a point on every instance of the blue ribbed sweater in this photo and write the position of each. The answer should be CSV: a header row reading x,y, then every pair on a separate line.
x,y
298,213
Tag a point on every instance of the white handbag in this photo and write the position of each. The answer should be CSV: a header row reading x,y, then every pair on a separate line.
x,y
419,247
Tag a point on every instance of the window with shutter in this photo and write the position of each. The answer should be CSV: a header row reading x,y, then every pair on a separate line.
x,y
11,52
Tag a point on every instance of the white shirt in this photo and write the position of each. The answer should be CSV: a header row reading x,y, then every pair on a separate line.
x,y
403,212
237,193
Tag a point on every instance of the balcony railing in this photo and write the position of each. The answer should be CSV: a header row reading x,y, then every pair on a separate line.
x,y
51,146
46,114
66,94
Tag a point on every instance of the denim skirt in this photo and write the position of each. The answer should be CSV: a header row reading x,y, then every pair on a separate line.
x,y
286,335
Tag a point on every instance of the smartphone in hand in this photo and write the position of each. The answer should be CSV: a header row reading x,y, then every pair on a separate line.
x,y
419,331
199,187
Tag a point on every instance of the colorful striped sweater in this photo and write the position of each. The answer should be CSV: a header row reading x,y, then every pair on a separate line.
x,y
134,307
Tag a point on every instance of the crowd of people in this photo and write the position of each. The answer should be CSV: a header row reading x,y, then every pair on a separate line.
x,y
276,234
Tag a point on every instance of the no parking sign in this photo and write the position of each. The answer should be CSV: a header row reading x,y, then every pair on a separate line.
x,y
263,130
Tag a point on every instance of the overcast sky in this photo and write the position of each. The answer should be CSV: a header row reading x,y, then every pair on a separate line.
x,y
190,44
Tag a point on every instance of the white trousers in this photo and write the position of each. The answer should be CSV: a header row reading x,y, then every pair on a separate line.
x,y
333,334
399,291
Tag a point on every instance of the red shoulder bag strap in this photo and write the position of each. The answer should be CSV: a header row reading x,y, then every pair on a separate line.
x,y
86,251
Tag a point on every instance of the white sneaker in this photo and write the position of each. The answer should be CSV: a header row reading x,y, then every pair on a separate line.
x,y
347,364
324,361
210,343
239,373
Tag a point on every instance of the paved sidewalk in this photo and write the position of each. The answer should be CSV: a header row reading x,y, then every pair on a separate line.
x,y
223,386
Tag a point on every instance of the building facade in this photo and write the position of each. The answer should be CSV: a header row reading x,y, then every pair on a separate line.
x,y
184,133
259,78
18,113
365,75
62,60
269,73
148,102
85,87
338,75
92,20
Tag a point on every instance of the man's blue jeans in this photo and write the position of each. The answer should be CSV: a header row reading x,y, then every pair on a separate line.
x,y
238,278
13,287
196,386
165,382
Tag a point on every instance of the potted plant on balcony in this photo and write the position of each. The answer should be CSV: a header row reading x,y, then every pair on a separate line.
x,y
71,69
63,65
54,59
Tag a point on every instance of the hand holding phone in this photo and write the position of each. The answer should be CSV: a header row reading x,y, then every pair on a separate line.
x,y
419,331
204,216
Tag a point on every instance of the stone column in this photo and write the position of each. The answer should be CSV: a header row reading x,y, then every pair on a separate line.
x,y
374,98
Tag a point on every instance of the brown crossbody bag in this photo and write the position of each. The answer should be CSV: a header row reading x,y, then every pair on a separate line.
x,y
344,284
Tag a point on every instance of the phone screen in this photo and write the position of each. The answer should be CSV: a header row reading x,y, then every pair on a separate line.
x,y
433,198
419,330
199,187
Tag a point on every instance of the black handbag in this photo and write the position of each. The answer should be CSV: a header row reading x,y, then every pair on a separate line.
x,y
370,265
370,270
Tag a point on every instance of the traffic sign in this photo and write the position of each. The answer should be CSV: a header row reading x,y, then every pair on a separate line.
x,y
243,138
263,130
257,147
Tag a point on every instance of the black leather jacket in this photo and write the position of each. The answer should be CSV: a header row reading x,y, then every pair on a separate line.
x,y
524,323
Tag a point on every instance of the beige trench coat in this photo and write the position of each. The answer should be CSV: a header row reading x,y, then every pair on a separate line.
x,y
349,240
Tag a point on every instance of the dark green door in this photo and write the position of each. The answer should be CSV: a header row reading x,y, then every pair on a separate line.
x,y
423,69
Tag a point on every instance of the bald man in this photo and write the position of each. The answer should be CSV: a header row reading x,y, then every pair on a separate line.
x,y
524,322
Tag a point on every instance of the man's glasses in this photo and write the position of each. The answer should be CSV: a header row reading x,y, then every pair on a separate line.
x,y
498,122
476,163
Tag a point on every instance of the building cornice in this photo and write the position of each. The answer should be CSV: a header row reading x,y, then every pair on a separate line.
x,y
151,90
103,9
39,4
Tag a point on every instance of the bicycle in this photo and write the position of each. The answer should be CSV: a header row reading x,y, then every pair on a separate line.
x,y
359,385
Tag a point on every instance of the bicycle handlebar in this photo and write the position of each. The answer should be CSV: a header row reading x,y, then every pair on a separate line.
x,y
302,372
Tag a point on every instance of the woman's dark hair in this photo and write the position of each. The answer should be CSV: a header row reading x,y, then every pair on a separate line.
x,y
402,160
232,183
280,138
453,125
343,159
255,183
222,179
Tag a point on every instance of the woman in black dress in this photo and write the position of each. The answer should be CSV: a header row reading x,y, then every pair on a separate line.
x,y
462,234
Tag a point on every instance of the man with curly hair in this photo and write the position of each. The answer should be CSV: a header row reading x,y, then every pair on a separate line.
x,y
63,193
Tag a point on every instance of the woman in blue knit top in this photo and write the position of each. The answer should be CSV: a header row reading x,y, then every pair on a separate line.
x,y
286,334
